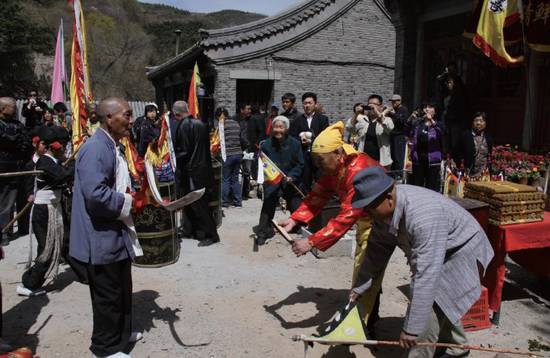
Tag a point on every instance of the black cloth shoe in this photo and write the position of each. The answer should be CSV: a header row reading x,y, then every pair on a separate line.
x,y
260,240
208,242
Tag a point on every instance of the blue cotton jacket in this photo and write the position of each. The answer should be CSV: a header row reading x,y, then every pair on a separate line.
x,y
97,235
288,157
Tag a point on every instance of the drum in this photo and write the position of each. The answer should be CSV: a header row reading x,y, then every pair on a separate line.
x,y
156,231
215,204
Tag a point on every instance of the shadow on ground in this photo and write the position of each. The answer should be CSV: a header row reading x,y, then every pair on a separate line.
x,y
146,311
327,302
19,319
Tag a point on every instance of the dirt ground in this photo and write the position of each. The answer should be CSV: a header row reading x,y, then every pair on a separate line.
x,y
229,300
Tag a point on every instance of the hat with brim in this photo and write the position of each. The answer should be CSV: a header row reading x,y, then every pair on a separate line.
x,y
395,97
369,185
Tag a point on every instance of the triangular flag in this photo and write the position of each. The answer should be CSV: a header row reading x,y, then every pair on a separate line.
x,y
59,77
272,174
347,326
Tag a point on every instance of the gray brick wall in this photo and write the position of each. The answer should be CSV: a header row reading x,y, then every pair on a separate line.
x,y
346,70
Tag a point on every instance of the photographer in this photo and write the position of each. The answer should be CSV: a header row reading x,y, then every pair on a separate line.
x,y
399,114
33,110
426,137
374,131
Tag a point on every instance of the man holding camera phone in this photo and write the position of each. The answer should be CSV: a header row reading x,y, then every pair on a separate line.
x,y
33,110
374,131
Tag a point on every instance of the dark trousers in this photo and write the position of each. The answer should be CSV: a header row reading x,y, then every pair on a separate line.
x,y
230,181
34,277
426,175
22,200
111,293
398,143
201,221
8,196
452,141
269,206
246,167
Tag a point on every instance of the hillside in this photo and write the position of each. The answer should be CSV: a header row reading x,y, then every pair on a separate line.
x,y
124,36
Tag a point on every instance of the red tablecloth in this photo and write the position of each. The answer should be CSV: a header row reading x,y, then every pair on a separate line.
x,y
527,244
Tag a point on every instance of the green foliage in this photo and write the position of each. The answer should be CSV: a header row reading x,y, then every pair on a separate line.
x,y
96,21
225,18
165,39
19,38
124,37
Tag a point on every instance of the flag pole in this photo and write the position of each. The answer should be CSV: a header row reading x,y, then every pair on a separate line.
x,y
306,339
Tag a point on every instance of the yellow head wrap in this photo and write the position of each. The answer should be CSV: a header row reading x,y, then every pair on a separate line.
x,y
331,139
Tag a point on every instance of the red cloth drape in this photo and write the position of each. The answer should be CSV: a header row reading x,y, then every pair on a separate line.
x,y
528,245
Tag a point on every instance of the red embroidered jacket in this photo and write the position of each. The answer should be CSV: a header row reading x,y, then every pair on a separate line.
x,y
328,185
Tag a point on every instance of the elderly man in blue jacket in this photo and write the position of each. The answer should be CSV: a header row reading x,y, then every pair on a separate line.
x,y
102,239
445,246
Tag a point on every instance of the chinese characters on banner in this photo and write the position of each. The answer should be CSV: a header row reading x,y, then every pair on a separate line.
x,y
537,24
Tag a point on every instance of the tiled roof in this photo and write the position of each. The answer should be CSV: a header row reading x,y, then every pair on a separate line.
x,y
266,27
261,37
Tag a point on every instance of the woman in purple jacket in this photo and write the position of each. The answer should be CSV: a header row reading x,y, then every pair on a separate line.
x,y
426,137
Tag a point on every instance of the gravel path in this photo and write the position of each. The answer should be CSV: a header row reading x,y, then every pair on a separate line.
x,y
229,300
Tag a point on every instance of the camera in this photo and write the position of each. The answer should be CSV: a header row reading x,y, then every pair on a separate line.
x,y
419,111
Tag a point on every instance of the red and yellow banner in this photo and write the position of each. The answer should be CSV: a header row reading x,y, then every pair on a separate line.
x,y
512,25
193,99
272,174
80,89
494,15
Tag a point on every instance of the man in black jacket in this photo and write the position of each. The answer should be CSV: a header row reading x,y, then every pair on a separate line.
x,y
15,147
290,111
399,115
194,171
33,110
244,119
305,128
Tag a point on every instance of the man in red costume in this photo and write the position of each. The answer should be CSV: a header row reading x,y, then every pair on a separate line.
x,y
339,163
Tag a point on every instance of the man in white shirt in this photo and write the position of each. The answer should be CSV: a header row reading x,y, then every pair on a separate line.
x,y
305,128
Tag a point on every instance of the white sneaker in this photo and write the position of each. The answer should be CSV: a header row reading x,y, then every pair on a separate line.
x,y
116,355
23,291
135,336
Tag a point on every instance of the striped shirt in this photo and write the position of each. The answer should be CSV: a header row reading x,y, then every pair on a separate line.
x,y
232,134
443,244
